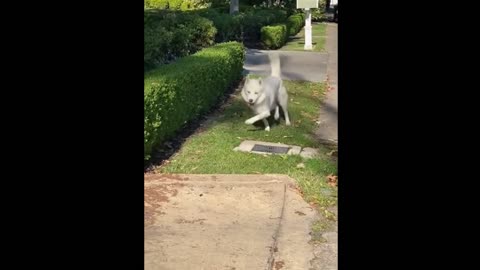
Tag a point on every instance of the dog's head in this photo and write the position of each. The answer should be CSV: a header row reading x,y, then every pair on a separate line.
x,y
252,90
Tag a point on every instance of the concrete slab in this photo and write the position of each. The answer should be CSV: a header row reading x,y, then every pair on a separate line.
x,y
247,146
326,252
293,252
225,222
307,152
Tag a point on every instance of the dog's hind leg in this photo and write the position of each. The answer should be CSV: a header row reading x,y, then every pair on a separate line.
x,y
277,113
267,126
287,119
283,100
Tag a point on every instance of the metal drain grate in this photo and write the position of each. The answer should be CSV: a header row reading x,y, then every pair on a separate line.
x,y
270,149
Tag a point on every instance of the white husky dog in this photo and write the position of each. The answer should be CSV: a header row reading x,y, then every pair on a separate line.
x,y
264,95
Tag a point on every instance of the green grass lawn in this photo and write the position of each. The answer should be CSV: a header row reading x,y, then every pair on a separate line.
x,y
297,42
210,150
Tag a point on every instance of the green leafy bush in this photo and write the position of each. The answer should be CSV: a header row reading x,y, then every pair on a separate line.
x,y
319,14
195,4
156,43
295,23
244,26
274,36
160,4
177,93
169,35
228,27
174,4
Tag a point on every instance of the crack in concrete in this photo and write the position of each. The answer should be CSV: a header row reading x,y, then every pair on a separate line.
x,y
273,248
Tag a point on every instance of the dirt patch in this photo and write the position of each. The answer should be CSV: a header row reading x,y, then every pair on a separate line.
x,y
154,197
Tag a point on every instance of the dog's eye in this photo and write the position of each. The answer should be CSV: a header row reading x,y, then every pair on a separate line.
x,y
256,93
248,92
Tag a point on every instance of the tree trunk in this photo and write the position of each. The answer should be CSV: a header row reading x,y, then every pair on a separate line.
x,y
234,6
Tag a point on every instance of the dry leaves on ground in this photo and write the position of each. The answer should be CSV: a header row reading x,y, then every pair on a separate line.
x,y
332,180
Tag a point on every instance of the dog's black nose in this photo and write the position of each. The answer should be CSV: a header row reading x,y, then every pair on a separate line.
x,y
250,100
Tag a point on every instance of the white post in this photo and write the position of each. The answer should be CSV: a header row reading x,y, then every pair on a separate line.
x,y
308,30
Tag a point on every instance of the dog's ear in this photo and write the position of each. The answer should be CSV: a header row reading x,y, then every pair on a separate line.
x,y
244,95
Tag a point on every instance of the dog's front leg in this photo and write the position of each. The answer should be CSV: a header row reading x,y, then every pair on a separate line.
x,y
257,117
267,126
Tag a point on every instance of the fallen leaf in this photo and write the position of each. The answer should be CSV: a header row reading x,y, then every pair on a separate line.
x,y
300,165
332,180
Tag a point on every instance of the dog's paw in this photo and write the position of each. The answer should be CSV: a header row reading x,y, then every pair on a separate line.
x,y
276,116
249,122
288,123
267,129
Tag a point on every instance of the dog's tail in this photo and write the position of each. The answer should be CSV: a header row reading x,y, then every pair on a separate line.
x,y
274,64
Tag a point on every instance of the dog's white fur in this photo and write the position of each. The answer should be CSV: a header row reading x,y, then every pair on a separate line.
x,y
265,95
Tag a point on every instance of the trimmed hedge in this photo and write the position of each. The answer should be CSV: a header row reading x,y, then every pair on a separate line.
x,y
228,26
295,23
177,93
274,36
253,21
170,35
244,27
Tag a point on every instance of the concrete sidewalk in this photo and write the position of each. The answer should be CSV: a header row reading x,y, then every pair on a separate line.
x,y
226,222
328,119
244,222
